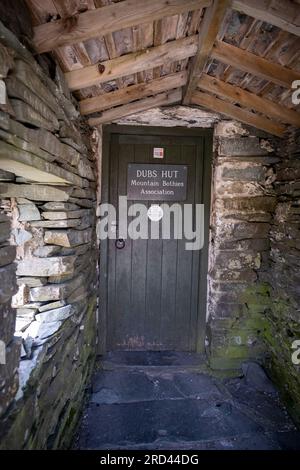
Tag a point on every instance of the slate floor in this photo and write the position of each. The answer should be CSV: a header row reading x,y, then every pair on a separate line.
x,y
159,401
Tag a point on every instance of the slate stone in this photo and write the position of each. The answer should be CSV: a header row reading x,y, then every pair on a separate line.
x,y
21,236
26,312
160,408
256,378
28,212
123,424
60,206
45,251
238,147
31,281
57,314
50,143
27,115
7,255
60,215
68,238
33,167
35,192
7,322
17,89
85,170
251,173
122,387
6,176
26,74
9,376
195,385
51,305
55,291
69,223
4,230
46,266
40,330
7,283
22,323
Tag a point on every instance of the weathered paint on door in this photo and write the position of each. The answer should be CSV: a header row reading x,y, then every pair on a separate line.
x,y
153,288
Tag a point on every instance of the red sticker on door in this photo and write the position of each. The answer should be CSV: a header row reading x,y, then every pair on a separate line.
x,y
158,152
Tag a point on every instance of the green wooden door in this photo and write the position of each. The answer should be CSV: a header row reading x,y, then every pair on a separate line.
x,y
153,288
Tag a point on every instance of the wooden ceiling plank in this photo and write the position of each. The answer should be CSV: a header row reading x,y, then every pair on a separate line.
x,y
162,99
209,29
249,100
234,112
132,63
131,93
256,65
285,15
108,19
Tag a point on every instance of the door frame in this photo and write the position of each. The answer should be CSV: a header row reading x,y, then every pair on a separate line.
x,y
108,131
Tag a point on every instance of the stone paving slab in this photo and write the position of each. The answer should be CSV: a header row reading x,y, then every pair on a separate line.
x,y
157,408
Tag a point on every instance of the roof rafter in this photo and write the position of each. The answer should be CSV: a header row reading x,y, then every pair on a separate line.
x,y
162,99
285,15
108,19
132,63
254,64
131,93
249,100
234,112
210,26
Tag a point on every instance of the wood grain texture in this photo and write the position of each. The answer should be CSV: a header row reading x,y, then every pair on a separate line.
x,y
162,99
210,26
132,63
215,104
249,100
252,63
283,14
108,19
135,92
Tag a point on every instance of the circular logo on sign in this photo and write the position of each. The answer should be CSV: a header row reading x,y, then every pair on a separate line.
x,y
155,213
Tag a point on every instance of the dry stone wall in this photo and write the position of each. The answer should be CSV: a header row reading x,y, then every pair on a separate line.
x,y
283,340
244,200
9,345
47,226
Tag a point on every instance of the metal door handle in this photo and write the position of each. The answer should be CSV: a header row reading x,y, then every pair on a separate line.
x,y
120,243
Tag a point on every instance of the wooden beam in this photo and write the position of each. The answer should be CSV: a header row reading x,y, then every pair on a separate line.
x,y
163,99
131,63
107,19
234,112
283,14
249,100
132,93
252,63
209,28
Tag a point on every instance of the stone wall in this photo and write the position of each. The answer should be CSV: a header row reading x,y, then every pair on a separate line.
x,y
284,277
243,202
48,193
9,345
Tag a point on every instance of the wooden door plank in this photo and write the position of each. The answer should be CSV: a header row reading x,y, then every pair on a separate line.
x,y
249,100
132,63
108,19
210,26
215,104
